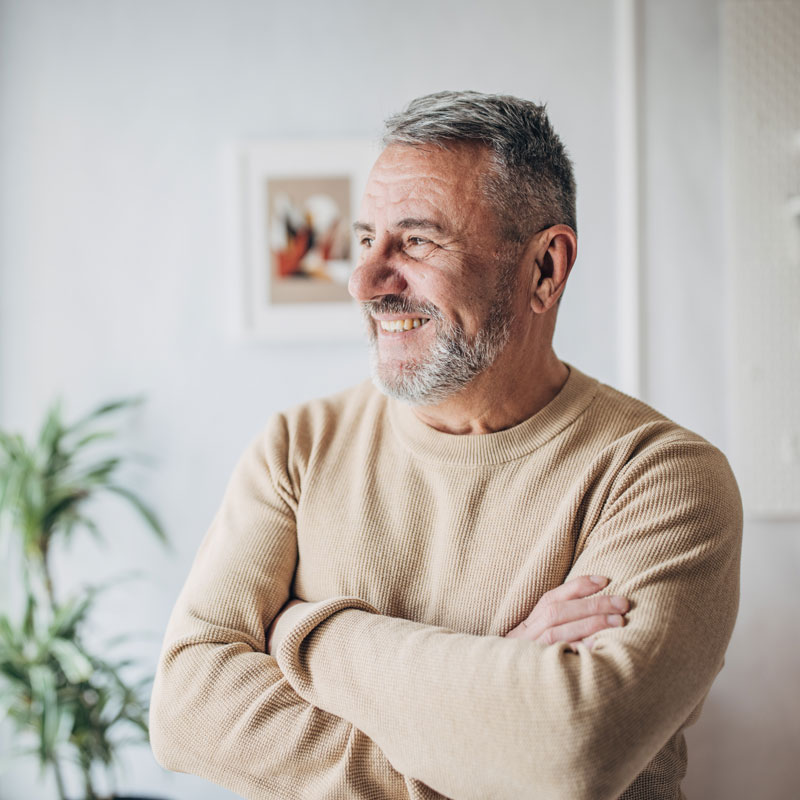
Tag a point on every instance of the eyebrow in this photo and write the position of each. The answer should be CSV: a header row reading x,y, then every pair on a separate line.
x,y
404,224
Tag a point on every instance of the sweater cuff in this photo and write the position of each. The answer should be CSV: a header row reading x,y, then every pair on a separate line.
x,y
297,622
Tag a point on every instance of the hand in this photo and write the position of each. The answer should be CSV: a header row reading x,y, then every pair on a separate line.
x,y
569,614
271,630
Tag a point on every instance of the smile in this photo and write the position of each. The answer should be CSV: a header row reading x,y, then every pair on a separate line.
x,y
395,325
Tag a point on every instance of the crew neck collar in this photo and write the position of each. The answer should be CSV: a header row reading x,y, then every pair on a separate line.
x,y
495,448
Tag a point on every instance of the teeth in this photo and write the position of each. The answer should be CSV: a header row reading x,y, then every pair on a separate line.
x,y
394,325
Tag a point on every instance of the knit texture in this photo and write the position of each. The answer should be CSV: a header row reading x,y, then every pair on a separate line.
x,y
420,550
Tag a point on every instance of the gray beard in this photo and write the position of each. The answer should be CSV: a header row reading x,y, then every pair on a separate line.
x,y
454,359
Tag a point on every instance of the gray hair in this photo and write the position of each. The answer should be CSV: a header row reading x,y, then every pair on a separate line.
x,y
532,185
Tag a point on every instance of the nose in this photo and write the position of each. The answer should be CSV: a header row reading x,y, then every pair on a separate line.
x,y
374,277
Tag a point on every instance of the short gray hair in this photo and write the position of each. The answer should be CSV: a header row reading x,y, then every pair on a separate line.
x,y
532,185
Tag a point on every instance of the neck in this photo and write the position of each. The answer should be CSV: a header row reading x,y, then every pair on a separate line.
x,y
504,395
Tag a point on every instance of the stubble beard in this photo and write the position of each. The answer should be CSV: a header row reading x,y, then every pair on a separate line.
x,y
454,359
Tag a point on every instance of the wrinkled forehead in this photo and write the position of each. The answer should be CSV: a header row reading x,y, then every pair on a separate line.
x,y
428,176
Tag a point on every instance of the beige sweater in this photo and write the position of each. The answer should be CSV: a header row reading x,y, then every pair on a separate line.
x,y
420,551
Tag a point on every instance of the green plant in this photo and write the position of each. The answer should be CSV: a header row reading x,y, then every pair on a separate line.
x,y
67,701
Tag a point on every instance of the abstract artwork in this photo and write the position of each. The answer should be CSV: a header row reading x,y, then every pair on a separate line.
x,y
294,204
309,238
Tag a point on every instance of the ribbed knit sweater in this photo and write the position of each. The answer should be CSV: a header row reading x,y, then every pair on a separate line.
x,y
419,550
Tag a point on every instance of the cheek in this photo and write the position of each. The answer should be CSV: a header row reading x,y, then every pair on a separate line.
x,y
443,280
461,289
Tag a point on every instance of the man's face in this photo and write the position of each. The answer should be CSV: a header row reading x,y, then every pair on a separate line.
x,y
435,280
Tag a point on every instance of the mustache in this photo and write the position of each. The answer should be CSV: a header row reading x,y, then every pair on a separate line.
x,y
394,304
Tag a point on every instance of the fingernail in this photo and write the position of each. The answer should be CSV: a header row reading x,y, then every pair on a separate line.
x,y
599,580
615,620
620,603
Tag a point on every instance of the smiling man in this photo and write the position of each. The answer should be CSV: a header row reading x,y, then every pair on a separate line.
x,y
487,575
427,203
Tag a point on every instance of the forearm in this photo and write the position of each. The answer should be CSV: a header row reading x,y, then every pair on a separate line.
x,y
224,712
221,707
476,716
484,716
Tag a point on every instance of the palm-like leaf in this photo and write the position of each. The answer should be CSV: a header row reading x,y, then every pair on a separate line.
x,y
44,488
145,512
59,694
74,664
62,695
104,410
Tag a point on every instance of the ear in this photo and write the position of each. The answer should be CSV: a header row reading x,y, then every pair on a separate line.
x,y
554,257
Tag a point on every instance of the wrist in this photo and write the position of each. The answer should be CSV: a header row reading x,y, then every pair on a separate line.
x,y
287,618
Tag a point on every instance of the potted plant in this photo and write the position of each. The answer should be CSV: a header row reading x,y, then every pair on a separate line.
x,y
68,703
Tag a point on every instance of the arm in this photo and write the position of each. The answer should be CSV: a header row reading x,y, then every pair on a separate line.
x,y
477,717
221,707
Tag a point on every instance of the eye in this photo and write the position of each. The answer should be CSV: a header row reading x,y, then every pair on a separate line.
x,y
416,241
366,241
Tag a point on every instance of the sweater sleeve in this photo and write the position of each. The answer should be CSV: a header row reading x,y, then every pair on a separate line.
x,y
484,716
221,707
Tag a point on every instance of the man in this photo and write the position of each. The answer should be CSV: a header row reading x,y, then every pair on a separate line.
x,y
460,549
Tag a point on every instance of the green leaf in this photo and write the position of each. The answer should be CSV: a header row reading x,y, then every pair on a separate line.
x,y
68,616
106,408
28,621
7,637
91,526
6,482
60,505
75,664
49,683
14,445
98,473
43,686
133,740
14,476
148,515
117,580
95,436
131,636
66,721
52,430
116,666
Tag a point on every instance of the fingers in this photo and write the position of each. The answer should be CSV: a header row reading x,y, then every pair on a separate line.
x,y
581,629
570,610
573,612
574,631
589,642
582,586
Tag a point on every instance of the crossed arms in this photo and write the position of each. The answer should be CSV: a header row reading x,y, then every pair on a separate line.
x,y
407,706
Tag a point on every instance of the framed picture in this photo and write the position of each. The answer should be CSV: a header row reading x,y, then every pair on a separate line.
x,y
294,209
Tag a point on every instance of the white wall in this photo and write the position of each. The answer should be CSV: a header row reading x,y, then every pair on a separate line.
x,y
112,276
683,215
747,741
113,118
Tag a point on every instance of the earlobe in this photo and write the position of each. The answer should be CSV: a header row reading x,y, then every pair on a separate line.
x,y
552,267
542,286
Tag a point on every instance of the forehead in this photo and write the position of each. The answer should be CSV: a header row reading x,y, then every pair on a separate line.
x,y
430,178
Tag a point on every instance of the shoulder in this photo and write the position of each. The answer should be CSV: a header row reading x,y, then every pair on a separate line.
x,y
612,415
616,420
292,439
312,423
656,489
641,447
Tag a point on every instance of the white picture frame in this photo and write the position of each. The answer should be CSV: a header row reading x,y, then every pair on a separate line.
x,y
255,169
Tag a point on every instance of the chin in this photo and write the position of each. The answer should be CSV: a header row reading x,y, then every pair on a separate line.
x,y
415,384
